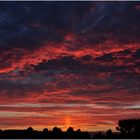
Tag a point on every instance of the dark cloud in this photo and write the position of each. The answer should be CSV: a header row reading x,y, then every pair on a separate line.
x,y
137,54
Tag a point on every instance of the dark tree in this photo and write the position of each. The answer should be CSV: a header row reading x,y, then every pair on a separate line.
x,y
0,132
129,128
56,130
70,133
30,129
109,133
45,133
78,133
70,130
57,133
45,130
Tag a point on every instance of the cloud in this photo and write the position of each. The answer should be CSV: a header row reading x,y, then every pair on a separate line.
x,y
63,56
27,32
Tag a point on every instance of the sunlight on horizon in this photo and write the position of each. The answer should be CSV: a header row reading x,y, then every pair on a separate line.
x,y
68,121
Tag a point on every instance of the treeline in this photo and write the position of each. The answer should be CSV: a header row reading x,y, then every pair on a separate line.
x,y
55,133
129,128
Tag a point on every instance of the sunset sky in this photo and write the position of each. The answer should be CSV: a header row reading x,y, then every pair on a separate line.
x,y
69,64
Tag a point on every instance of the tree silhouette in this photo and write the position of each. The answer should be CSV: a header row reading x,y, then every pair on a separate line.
x,y
129,127
109,133
45,130
56,132
70,132
30,129
30,132
45,133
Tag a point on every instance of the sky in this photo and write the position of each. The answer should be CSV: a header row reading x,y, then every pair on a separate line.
x,y
69,64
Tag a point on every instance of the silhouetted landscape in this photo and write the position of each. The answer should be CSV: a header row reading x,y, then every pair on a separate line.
x,y
128,128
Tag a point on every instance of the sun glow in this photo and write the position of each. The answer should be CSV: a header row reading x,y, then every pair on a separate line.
x,y
68,122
